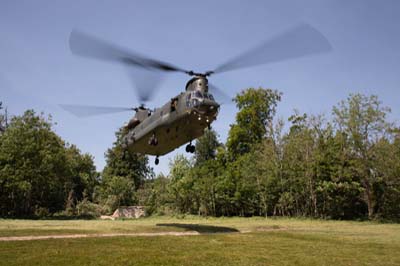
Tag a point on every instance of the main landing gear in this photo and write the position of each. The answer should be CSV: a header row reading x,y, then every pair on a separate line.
x,y
190,148
157,161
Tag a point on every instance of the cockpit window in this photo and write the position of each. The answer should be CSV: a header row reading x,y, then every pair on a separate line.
x,y
198,95
196,98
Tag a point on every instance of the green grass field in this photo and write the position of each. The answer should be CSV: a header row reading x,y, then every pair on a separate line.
x,y
222,241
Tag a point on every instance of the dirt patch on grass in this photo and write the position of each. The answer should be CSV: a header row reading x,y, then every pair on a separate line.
x,y
269,228
25,238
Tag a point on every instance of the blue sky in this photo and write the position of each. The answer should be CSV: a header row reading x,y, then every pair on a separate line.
x,y
37,69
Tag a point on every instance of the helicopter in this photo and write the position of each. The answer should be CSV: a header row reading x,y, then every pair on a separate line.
x,y
186,116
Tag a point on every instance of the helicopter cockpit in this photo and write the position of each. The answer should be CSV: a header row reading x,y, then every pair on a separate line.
x,y
196,98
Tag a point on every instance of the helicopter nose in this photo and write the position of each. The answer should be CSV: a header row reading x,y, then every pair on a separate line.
x,y
209,106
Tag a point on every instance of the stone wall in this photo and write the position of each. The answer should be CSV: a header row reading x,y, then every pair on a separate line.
x,y
129,212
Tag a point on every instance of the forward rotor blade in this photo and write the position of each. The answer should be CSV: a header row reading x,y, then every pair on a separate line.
x,y
88,46
219,95
87,110
299,41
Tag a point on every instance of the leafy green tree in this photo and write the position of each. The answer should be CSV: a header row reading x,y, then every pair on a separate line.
x,y
224,183
181,184
123,175
83,177
37,171
339,189
386,170
297,159
32,169
155,195
268,170
121,162
244,175
206,180
206,147
3,119
120,191
363,120
257,108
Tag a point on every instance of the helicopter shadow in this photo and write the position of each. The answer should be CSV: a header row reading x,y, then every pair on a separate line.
x,y
202,229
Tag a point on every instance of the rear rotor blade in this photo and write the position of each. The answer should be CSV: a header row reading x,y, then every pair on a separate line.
x,y
87,110
299,41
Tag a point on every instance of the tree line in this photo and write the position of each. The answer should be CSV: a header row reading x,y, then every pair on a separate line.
x,y
342,166
345,166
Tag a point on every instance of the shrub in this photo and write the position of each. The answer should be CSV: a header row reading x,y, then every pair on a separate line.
x,y
41,212
86,208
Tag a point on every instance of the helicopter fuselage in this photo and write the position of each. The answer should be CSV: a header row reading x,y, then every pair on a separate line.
x,y
181,120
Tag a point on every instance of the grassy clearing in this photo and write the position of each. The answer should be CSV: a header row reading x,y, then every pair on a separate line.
x,y
265,242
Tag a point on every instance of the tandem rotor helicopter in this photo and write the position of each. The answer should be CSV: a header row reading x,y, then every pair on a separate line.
x,y
185,116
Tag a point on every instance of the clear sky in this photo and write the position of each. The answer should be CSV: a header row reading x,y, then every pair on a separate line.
x,y
37,69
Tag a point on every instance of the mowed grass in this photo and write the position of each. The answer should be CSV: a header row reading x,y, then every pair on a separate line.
x,y
259,242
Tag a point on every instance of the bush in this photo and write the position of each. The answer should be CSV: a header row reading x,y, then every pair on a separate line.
x,y
110,205
41,212
86,208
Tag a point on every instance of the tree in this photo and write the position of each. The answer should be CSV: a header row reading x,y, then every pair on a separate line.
x,y
257,108
122,162
83,177
386,155
181,184
206,147
37,170
339,189
297,160
155,195
123,175
32,169
119,191
268,169
362,120
3,118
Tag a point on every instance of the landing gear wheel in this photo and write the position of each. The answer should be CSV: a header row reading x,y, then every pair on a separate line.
x,y
157,161
192,148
